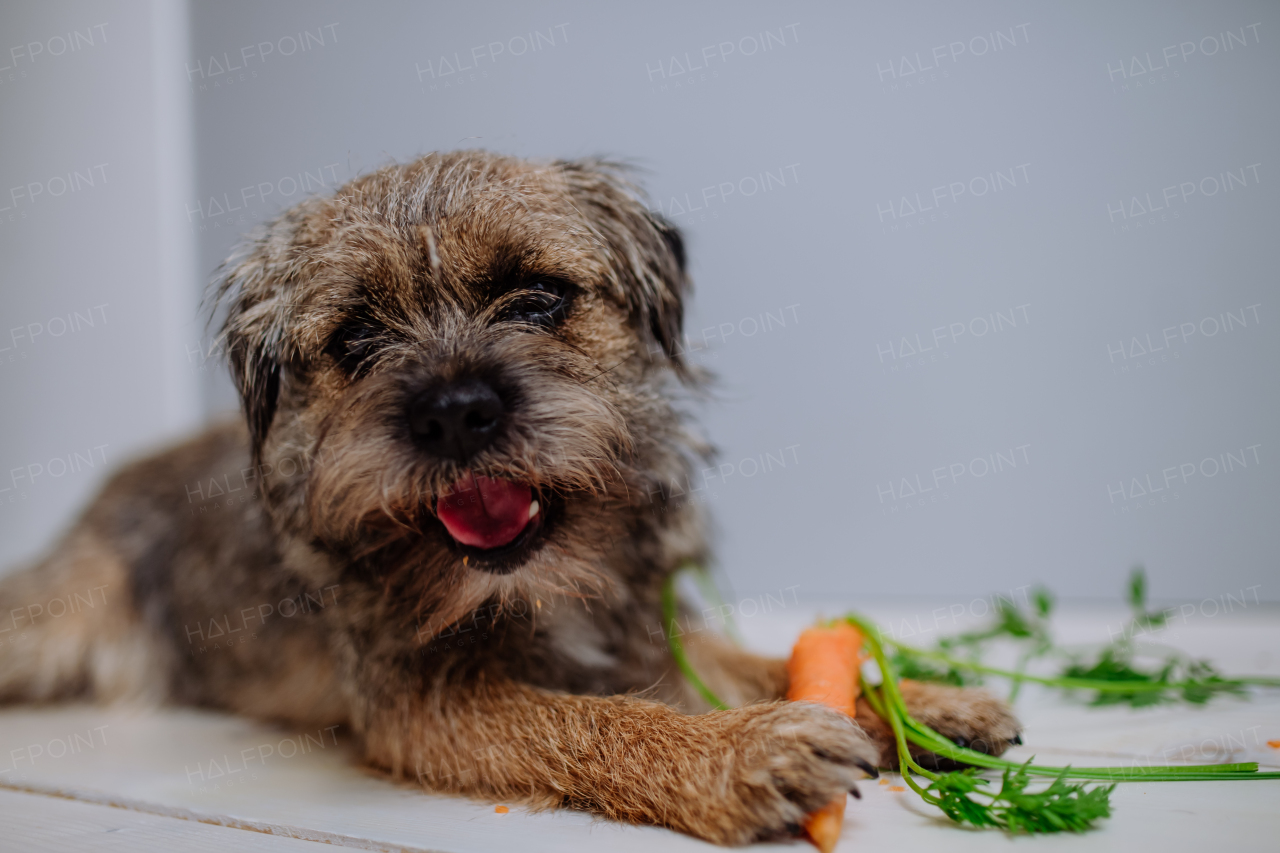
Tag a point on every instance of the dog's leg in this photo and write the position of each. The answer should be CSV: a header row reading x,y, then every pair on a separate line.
x,y
68,629
730,777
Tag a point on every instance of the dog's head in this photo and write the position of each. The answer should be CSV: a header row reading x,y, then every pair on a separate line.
x,y
470,351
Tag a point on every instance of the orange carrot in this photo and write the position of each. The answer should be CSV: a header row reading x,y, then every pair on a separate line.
x,y
823,826
824,668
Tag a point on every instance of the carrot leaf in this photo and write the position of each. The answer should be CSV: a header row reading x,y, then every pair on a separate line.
x,y
1061,807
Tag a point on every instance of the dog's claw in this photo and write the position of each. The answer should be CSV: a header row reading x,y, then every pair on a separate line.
x,y
868,768
1017,739
853,789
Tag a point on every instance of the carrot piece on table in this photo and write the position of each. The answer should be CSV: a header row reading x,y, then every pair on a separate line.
x,y
824,668
823,826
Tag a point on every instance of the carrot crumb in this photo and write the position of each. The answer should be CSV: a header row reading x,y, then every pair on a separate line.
x,y
884,781
1274,744
897,789
501,809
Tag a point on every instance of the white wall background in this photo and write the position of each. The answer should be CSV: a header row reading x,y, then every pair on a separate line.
x,y
975,220
97,282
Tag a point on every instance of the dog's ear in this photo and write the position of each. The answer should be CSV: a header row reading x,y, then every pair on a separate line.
x,y
647,253
257,376
253,336
666,308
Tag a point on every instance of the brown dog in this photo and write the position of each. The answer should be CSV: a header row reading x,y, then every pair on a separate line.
x,y
445,522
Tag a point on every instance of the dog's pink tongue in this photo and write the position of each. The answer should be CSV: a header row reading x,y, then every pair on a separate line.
x,y
485,513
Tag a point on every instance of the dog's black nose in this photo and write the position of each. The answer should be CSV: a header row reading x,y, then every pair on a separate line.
x,y
457,420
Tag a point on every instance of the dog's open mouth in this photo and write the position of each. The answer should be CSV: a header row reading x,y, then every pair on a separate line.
x,y
490,519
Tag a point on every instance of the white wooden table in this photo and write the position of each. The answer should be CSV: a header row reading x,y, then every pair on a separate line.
x,y
87,778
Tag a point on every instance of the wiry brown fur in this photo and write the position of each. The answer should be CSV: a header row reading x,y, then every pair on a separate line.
x,y
544,679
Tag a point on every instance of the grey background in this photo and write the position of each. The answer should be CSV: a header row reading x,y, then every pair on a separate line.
x,y
1068,110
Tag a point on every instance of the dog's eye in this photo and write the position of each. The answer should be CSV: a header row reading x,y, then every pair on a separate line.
x,y
540,302
352,345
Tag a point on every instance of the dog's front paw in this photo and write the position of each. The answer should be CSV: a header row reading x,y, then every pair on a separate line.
x,y
968,716
787,761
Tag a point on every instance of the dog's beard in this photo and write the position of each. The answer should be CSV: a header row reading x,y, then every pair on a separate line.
x,y
375,496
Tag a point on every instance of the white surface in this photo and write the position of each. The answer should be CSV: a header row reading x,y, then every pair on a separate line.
x,y
145,764
35,822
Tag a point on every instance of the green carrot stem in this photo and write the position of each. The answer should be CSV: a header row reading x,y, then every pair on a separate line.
x,y
677,648
905,762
